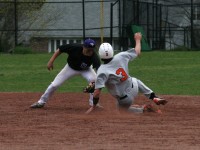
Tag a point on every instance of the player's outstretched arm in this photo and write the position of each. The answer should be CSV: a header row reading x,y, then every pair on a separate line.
x,y
138,37
52,59
96,95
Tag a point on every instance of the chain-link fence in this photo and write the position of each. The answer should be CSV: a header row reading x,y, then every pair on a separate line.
x,y
46,24
167,25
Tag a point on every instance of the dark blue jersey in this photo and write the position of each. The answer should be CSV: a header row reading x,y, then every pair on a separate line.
x,y
76,60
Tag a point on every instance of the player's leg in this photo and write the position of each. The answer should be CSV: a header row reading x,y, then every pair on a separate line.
x,y
144,108
143,88
90,76
149,93
62,76
125,105
125,102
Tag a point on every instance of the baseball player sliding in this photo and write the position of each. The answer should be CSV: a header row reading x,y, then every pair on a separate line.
x,y
113,75
79,61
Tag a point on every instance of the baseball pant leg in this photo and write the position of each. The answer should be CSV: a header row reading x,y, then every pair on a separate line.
x,y
126,105
90,76
144,89
62,76
132,92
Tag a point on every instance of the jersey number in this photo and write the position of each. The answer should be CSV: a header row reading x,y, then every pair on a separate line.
x,y
123,73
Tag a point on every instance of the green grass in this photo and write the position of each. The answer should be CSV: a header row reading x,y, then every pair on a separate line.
x,y
165,72
169,72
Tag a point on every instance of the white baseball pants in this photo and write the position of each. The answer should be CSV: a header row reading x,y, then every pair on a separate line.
x,y
66,73
137,86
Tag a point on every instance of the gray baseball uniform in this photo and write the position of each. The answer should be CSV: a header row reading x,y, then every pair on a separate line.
x,y
115,77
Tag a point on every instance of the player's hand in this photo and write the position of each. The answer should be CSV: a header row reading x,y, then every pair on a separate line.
x,y
138,36
93,108
90,110
50,65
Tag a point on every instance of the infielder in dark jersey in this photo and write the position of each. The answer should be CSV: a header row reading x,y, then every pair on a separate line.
x,y
80,60
113,75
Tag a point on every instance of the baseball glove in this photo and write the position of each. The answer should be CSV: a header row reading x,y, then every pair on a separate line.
x,y
90,88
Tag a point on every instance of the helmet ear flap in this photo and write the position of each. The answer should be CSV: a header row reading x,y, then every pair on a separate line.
x,y
105,51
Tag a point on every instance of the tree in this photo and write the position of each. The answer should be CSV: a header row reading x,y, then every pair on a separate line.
x,y
10,12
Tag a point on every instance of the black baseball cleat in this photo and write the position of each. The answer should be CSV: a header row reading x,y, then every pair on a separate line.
x,y
37,105
160,101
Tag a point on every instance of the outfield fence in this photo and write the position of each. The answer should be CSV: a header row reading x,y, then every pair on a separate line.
x,y
46,24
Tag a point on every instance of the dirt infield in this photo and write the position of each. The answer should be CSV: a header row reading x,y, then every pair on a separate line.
x,y
62,124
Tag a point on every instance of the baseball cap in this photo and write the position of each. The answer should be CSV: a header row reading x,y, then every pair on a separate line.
x,y
89,43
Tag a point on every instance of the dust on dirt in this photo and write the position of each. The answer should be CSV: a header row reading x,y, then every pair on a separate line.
x,y
63,125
